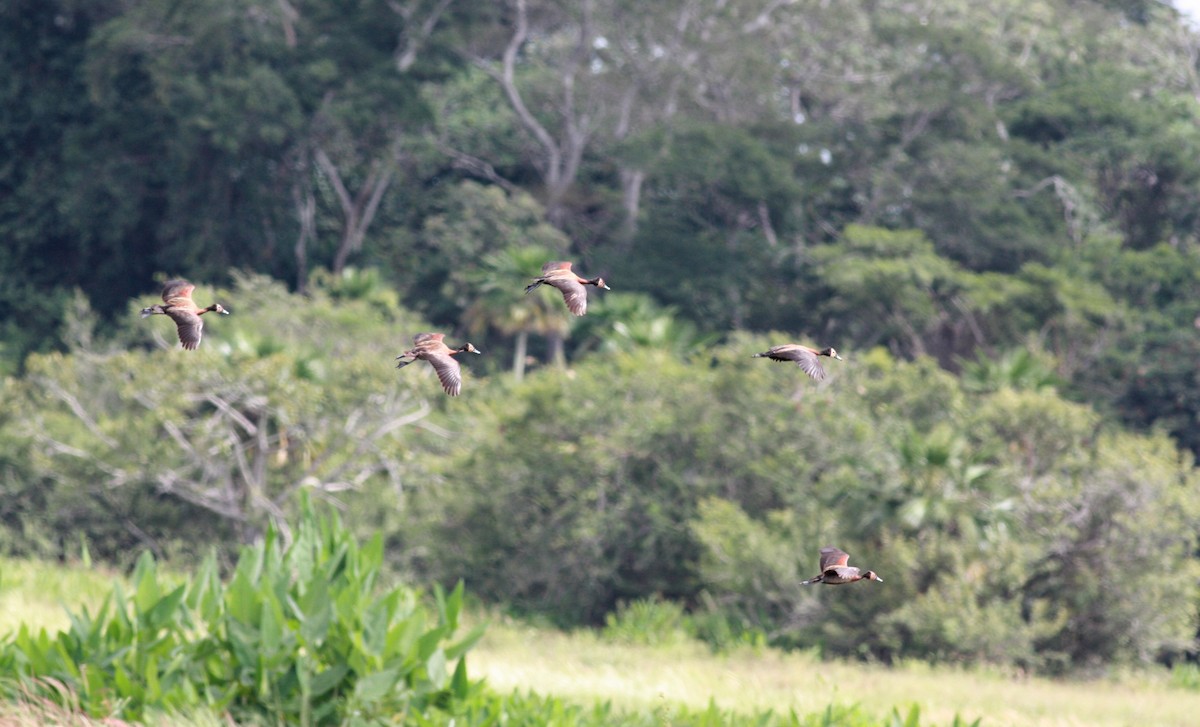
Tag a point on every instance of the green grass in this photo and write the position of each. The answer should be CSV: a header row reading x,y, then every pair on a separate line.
x,y
585,668
38,594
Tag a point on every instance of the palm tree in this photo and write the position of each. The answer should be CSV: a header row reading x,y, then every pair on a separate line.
x,y
947,485
497,283
1022,369
634,320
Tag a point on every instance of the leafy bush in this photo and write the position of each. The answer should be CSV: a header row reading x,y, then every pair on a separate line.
x,y
648,621
302,634
1186,676
137,448
638,474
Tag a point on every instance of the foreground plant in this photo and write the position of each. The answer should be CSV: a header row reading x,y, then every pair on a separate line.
x,y
302,633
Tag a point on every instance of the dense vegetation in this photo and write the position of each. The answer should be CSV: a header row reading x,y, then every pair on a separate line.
x,y
990,210
299,635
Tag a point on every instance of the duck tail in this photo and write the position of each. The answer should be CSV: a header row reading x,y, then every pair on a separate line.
x,y
533,285
147,312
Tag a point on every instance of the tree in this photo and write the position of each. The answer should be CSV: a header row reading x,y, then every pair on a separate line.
x,y
135,446
497,305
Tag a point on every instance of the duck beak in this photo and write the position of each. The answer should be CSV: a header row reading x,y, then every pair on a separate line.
x,y
837,356
477,351
606,287
225,311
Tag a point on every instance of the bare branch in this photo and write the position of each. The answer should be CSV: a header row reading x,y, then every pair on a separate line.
x,y
169,482
306,211
335,179
763,19
764,219
290,16
410,43
229,411
358,213
508,84
77,409
476,166
180,439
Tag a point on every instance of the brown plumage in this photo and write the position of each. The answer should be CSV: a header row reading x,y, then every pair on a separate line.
x,y
429,347
177,295
835,571
560,275
805,357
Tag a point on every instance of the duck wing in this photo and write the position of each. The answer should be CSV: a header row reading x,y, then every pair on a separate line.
x,y
808,363
573,293
177,291
189,325
448,372
833,558
556,265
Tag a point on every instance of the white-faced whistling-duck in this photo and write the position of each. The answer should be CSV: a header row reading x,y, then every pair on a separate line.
x,y
560,275
805,357
177,297
429,347
835,572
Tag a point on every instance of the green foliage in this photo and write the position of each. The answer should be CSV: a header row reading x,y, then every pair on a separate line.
x,y
128,444
532,709
647,621
302,633
713,201
1011,189
630,320
1186,676
733,474
469,234
1020,368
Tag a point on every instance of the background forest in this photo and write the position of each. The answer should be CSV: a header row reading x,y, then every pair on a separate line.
x,y
992,210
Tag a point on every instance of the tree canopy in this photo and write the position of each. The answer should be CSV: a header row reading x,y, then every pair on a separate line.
x,y
989,209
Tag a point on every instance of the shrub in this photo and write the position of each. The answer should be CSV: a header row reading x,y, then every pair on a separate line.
x,y
1186,676
301,634
647,621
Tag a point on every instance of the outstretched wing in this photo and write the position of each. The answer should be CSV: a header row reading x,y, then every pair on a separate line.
x,y
448,372
190,327
427,337
808,363
555,265
573,293
833,558
177,289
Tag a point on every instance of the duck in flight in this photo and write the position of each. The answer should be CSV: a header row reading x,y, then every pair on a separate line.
x,y
429,347
559,275
804,357
178,304
835,570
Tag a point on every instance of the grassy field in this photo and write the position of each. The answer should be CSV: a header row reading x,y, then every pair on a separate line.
x,y
584,667
37,594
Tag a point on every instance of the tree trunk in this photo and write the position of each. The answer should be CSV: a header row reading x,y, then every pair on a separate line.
x,y
520,354
358,211
554,349
306,210
631,195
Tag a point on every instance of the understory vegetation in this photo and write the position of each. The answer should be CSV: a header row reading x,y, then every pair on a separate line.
x,y
991,210
1005,519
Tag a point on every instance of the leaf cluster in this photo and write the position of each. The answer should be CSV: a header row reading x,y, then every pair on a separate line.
x,y
304,632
